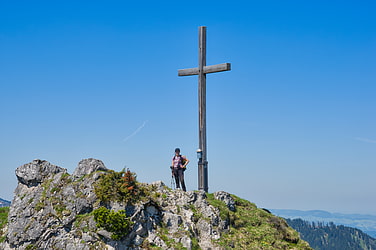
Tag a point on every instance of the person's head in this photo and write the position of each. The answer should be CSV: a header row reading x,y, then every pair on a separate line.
x,y
177,151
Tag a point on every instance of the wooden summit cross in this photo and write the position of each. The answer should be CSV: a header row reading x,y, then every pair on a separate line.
x,y
201,71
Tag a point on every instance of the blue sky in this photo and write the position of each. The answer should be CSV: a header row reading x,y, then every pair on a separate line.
x,y
292,125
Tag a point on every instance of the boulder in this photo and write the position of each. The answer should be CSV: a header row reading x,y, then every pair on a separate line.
x,y
88,166
35,172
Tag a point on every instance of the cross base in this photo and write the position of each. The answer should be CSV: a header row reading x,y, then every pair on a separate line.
x,y
203,176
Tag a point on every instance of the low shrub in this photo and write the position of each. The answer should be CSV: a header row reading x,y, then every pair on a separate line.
x,y
115,222
118,186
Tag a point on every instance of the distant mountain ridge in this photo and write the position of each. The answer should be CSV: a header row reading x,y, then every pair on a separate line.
x,y
4,203
328,236
366,223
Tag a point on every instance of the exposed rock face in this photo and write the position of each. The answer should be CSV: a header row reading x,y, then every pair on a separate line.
x,y
35,172
227,199
54,210
47,202
88,166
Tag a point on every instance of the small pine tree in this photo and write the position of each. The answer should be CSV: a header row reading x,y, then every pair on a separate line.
x,y
129,186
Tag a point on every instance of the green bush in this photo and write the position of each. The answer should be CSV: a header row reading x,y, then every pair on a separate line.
x,y
114,222
118,186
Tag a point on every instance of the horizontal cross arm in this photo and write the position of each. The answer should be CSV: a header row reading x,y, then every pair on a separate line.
x,y
207,69
217,68
188,72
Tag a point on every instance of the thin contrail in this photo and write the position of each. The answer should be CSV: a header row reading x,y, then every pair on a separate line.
x,y
136,131
365,140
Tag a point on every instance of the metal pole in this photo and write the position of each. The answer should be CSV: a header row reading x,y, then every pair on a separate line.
x,y
203,171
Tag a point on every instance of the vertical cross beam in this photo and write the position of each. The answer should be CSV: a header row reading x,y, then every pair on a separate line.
x,y
201,71
203,165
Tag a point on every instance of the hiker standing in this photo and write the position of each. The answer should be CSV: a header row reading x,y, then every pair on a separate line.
x,y
179,164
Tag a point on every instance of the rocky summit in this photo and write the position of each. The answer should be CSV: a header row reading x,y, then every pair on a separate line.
x,y
98,208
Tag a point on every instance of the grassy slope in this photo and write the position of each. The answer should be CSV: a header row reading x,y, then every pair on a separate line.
x,y
254,228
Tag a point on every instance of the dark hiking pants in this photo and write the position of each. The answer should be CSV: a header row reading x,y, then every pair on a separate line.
x,y
179,178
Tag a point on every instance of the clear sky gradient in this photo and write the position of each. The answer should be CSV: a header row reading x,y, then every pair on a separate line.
x,y
292,125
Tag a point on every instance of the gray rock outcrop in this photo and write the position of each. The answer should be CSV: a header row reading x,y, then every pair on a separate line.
x,y
35,172
54,210
47,202
88,166
226,198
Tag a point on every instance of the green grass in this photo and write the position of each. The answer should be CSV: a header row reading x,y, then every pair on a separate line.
x,y
223,210
39,206
59,208
254,228
55,189
82,223
3,216
30,247
195,245
4,211
82,218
